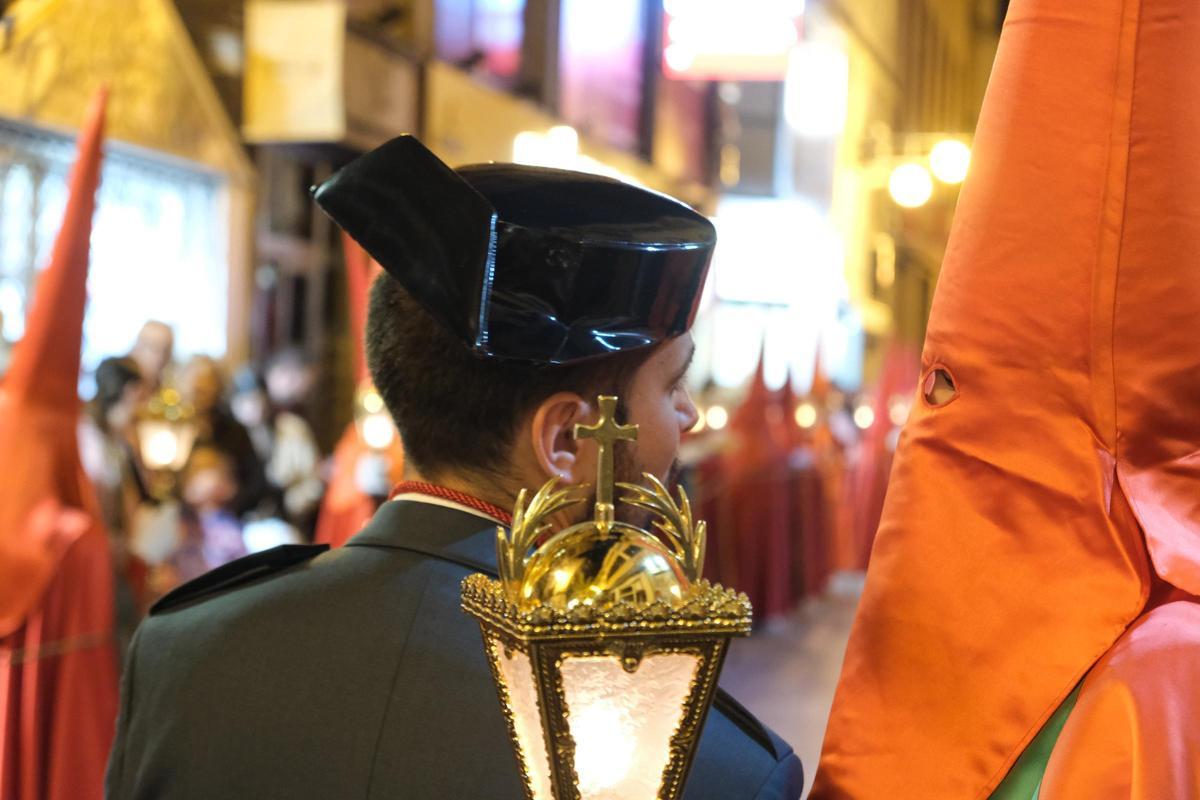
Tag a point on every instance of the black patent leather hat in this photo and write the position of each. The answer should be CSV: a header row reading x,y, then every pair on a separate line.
x,y
526,263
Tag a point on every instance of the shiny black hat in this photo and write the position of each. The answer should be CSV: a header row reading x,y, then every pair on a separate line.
x,y
526,263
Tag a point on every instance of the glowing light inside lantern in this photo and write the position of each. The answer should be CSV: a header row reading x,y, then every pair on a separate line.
x,y
521,687
622,722
160,448
603,747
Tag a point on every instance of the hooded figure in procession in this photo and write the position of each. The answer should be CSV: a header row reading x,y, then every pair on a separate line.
x,y
369,457
1030,625
58,639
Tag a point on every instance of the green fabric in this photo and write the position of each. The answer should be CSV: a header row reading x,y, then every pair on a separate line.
x,y
1024,780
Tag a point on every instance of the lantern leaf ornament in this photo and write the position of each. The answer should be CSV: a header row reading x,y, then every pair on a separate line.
x,y
529,523
687,538
603,640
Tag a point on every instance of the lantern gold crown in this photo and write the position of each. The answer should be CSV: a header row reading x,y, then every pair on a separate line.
x,y
605,564
604,640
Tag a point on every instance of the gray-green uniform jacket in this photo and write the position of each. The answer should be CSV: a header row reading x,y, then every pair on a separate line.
x,y
353,673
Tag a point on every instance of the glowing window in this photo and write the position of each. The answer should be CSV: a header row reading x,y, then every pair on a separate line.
x,y
159,244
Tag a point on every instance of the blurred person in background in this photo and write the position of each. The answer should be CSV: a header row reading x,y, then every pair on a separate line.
x,y
249,404
286,445
212,532
203,387
289,378
108,449
295,461
152,351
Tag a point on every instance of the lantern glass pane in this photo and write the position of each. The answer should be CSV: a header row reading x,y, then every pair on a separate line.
x,y
521,688
622,723
158,443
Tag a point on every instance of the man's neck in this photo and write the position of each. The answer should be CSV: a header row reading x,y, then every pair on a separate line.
x,y
488,491
495,492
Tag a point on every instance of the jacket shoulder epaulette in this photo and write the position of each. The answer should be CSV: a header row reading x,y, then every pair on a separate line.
x,y
747,722
238,572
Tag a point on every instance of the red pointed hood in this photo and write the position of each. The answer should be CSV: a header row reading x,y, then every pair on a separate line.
x,y
787,393
870,471
897,377
753,413
820,386
39,402
787,402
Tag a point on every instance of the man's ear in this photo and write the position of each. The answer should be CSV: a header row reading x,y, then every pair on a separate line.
x,y
553,435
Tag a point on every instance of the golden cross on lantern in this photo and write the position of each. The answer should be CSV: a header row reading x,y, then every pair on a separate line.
x,y
607,432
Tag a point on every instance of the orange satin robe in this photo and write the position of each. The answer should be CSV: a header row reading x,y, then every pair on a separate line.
x,y
1133,735
1029,516
345,509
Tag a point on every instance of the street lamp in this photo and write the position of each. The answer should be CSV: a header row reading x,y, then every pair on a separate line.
x,y
604,642
910,185
374,423
949,159
909,162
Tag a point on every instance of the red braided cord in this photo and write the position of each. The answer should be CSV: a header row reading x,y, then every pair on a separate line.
x,y
462,498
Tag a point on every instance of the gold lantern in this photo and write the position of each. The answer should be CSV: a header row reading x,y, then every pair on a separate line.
x,y
604,642
166,431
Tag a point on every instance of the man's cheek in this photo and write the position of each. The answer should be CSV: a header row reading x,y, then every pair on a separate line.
x,y
664,463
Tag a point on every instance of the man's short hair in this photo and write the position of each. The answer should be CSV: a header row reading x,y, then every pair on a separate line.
x,y
454,410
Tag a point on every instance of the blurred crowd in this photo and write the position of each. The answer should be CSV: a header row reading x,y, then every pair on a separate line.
x,y
194,467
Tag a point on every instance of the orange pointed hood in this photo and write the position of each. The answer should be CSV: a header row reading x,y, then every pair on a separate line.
x,y
45,363
361,271
1013,547
39,401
